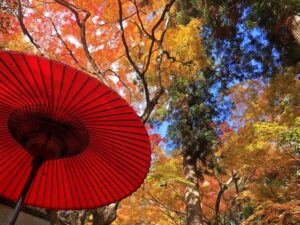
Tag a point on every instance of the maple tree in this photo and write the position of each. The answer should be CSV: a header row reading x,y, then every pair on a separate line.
x,y
160,199
264,150
124,47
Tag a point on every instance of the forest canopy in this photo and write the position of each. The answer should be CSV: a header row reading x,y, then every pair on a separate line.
x,y
217,85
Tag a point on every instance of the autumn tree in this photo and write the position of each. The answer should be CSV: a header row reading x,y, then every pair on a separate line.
x,y
237,53
160,199
184,58
123,43
264,150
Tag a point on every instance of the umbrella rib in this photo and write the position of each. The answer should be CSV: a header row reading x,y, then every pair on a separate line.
x,y
45,185
50,170
76,94
126,147
6,136
103,110
111,178
60,88
52,84
134,149
74,184
95,122
117,107
64,172
110,115
115,170
120,177
17,79
128,154
5,108
68,91
122,140
81,113
107,185
7,149
121,131
110,134
9,181
93,100
72,109
84,183
55,162
39,184
26,80
125,154
59,162
115,157
8,163
44,83
34,78
107,149
18,181
87,172
115,120
5,133
17,88
102,175
12,101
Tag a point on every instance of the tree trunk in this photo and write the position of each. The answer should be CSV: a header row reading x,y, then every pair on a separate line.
x,y
73,218
101,216
105,215
192,194
296,28
53,217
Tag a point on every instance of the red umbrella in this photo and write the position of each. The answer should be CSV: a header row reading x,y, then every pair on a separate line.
x,y
67,140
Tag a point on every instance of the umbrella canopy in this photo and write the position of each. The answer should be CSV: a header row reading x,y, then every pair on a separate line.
x,y
95,148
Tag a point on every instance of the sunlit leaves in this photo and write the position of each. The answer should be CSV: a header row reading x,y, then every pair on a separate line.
x,y
187,55
265,148
160,199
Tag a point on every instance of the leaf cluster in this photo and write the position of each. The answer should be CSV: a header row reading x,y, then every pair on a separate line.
x,y
264,149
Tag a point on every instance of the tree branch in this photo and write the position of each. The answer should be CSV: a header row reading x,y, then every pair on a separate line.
x,y
154,200
115,74
23,27
65,44
137,70
81,24
140,20
158,23
223,188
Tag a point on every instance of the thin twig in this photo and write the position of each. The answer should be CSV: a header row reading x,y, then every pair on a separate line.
x,y
24,29
81,24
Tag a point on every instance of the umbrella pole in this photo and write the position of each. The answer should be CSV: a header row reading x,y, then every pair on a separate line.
x,y
36,164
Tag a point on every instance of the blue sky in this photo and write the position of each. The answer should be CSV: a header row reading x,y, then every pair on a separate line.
x,y
217,54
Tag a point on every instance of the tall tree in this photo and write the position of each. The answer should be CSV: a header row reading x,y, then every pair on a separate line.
x,y
190,112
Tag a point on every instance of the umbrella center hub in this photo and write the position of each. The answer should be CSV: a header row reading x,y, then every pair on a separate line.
x,y
44,135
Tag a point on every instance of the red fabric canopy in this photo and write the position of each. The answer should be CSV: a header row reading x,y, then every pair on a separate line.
x,y
96,149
